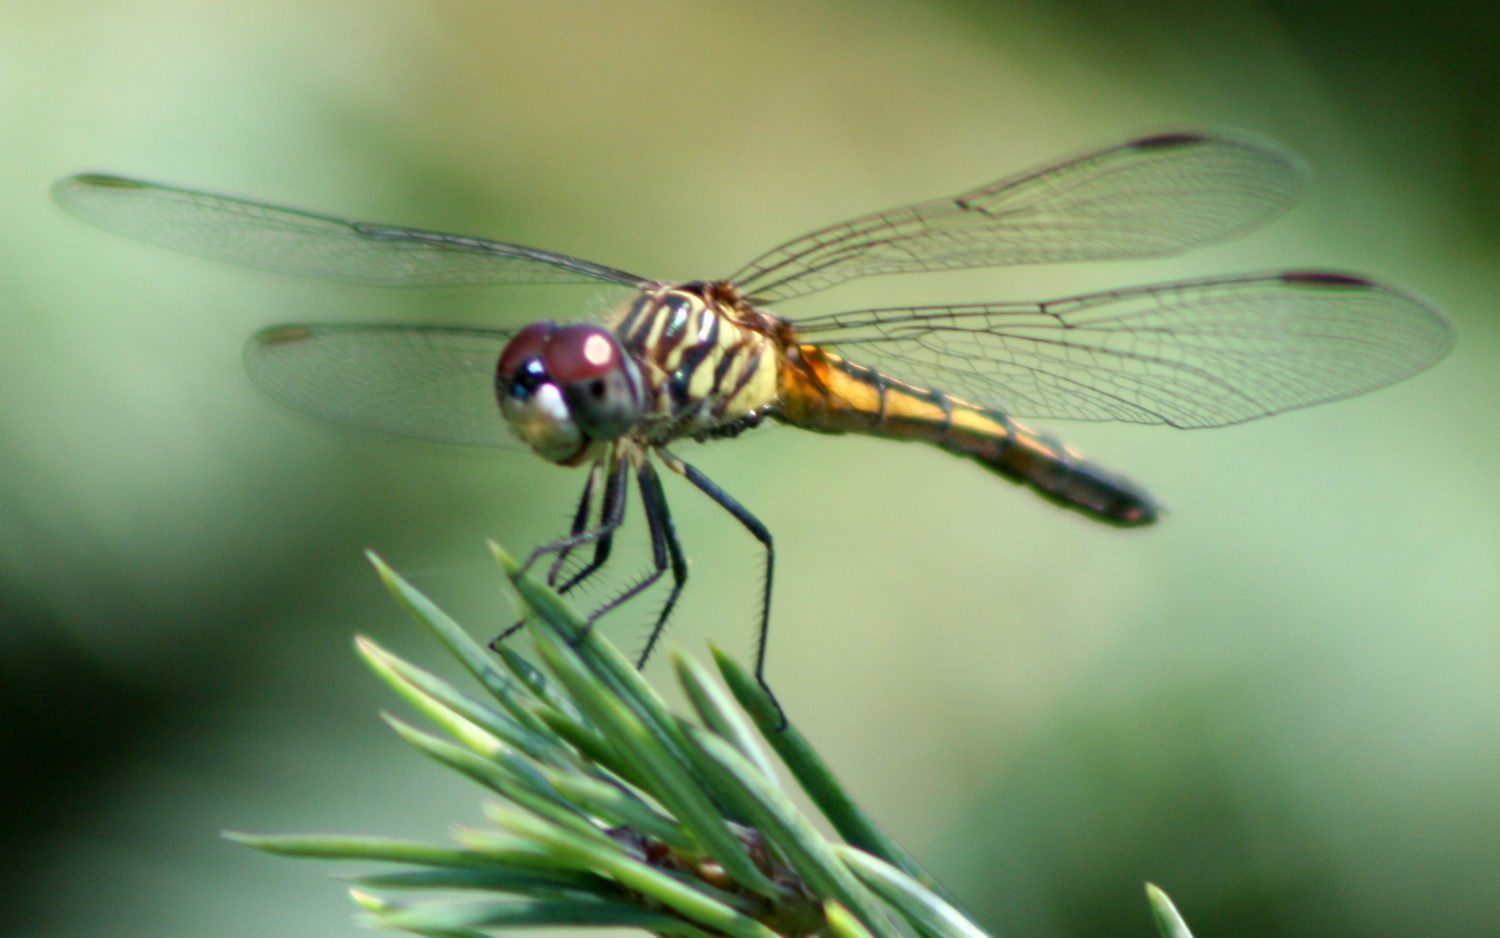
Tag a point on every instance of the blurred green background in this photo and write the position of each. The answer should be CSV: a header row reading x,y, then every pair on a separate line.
x,y
1281,704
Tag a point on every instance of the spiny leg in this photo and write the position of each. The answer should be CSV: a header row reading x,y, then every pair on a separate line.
x,y
659,517
603,546
580,519
663,544
611,516
612,513
760,533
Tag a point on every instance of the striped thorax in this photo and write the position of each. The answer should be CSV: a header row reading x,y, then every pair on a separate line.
x,y
709,363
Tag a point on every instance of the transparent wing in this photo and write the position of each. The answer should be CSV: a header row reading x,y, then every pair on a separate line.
x,y
1195,354
434,383
292,241
1151,197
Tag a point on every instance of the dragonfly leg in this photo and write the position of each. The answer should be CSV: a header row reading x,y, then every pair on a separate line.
x,y
602,547
612,514
663,535
664,548
760,533
580,519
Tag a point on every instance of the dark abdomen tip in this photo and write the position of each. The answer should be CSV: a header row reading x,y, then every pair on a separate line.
x,y
1136,511
1103,496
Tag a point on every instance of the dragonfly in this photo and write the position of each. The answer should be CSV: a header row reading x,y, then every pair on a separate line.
x,y
708,359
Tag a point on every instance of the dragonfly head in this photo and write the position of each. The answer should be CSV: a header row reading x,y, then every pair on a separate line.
x,y
562,388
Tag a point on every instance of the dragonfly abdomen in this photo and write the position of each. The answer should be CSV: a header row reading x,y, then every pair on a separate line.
x,y
826,392
1061,474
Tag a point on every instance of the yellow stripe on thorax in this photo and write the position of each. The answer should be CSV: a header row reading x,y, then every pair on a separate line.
x,y
704,369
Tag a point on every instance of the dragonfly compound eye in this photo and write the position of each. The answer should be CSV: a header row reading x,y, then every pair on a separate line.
x,y
533,404
598,379
524,347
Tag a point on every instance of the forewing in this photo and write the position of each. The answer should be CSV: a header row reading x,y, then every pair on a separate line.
x,y
1193,354
297,242
433,383
1151,197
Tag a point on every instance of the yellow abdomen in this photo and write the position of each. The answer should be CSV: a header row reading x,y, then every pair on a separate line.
x,y
822,391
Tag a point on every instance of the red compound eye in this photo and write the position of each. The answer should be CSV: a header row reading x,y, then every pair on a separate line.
x,y
581,353
525,345
557,382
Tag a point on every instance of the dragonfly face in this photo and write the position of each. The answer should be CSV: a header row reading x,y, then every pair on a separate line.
x,y
709,359
564,389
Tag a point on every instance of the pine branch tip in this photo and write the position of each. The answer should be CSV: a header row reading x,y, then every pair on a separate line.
x,y
509,564
368,900
1169,921
612,810
279,844
378,563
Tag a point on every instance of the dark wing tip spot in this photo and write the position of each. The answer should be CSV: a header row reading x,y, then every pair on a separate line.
x,y
104,181
1323,278
1168,141
283,335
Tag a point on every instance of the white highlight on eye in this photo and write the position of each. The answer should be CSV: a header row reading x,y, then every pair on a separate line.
x,y
544,423
598,350
550,405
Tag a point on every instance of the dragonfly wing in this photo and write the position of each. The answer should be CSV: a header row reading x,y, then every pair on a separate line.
x,y
433,383
297,242
1151,197
1203,353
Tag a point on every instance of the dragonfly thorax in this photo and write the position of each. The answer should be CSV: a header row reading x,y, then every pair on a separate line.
x,y
563,388
710,364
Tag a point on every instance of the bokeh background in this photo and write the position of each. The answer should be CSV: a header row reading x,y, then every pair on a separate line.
x,y
1281,704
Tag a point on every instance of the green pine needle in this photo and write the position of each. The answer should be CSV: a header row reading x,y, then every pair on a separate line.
x,y
1168,921
615,812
